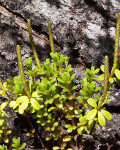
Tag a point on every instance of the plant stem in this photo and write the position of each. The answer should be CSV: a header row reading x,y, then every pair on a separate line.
x,y
91,131
59,143
7,95
32,128
116,46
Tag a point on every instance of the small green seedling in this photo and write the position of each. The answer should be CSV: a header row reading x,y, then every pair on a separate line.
x,y
3,147
16,144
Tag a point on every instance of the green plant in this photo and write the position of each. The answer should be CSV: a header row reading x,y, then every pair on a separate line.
x,y
16,144
3,147
115,69
3,124
53,101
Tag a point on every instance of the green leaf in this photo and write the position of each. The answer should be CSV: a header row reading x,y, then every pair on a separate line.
x,y
102,67
76,112
68,116
73,88
90,122
92,102
35,104
60,80
101,77
48,121
70,108
55,135
117,81
42,121
96,71
62,97
2,92
16,141
5,86
23,146
106,114
20,110
47,128
63,146
72,77
55,124
3,147
1,122
80,130
48,138
51,108
56,96
117,73
5,139
71,97
111,80
101,119
18,88
21,99
3,105
25,103
53,128
35,94
91,114
50,116
67,138
56,148
49,101
45,114
84,93
28,63
60,105
13,104
69,130
68,125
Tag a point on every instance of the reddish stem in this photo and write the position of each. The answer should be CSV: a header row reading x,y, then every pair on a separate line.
x,y
35,134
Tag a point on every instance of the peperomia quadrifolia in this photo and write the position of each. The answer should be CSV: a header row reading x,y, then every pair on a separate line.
x,y
49,95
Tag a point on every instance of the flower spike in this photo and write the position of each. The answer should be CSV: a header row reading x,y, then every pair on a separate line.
x,y
51,37
22,72
106,79
33,45
116,46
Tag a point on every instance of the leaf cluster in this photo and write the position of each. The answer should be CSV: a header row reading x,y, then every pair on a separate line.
x,y
3,125
15,145
54,102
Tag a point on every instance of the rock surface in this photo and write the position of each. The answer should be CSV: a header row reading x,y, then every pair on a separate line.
x,y
82,29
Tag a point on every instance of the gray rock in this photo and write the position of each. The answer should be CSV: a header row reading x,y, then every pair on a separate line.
x,y
82,29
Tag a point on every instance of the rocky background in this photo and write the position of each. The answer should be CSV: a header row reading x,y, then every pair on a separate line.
x,y
82,29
